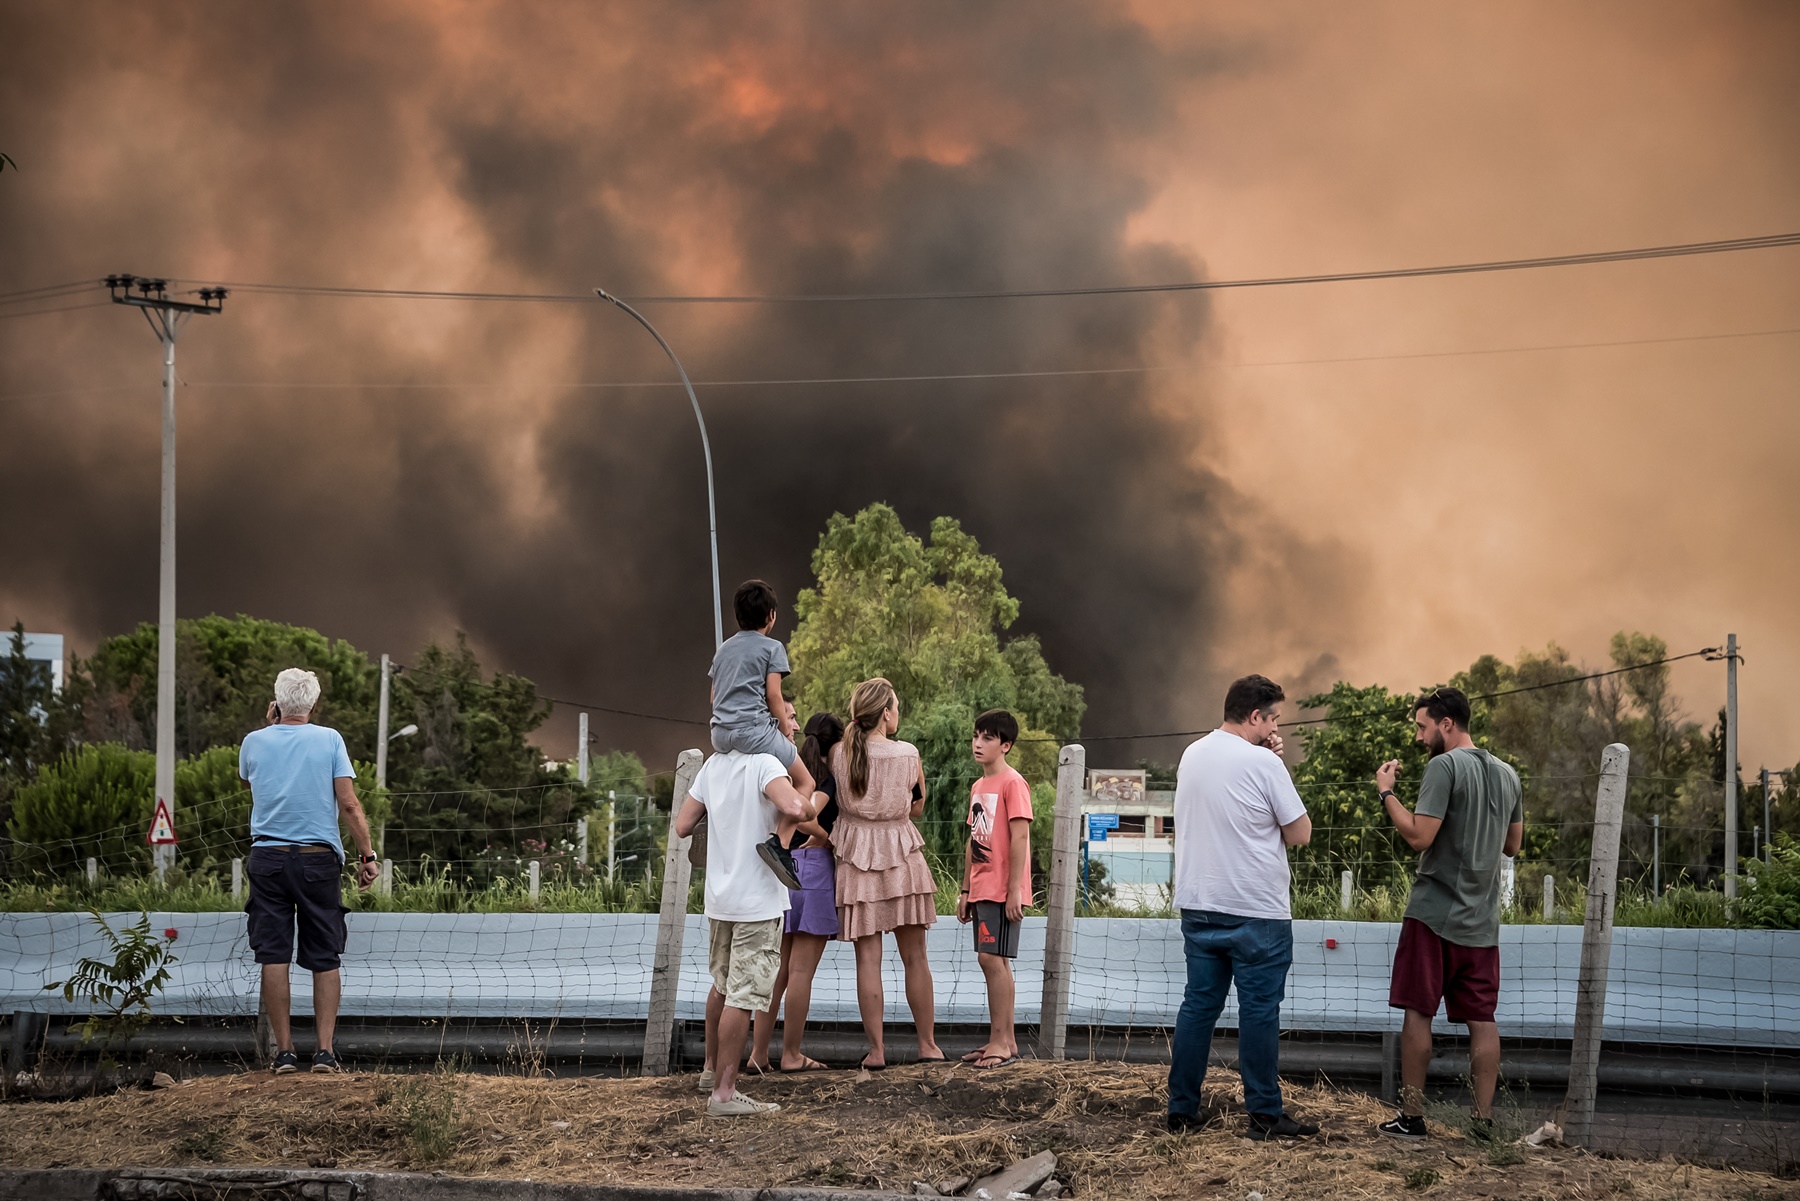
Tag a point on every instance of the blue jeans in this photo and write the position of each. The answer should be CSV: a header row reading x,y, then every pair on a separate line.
x,y
1257,952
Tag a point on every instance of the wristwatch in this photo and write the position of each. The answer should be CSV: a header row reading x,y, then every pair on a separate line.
x,y
371,859
1386,793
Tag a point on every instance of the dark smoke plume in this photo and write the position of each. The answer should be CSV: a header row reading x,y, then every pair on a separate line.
x,y
659,149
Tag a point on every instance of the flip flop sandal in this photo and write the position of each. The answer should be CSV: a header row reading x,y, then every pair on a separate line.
x,y
977,1053
810,1065
932,1059
1000,1061
872,1067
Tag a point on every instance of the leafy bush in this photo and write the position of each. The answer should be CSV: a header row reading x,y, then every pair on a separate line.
x,y
1771,896
121,988
95,802
98,801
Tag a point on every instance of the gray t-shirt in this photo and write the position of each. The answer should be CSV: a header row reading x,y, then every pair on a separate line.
x,y
1457,892
740,676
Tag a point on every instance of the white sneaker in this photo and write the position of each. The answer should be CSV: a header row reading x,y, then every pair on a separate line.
x,y
706,1080
739,1106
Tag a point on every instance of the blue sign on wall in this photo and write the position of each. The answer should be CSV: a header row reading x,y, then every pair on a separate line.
x,y
1099,824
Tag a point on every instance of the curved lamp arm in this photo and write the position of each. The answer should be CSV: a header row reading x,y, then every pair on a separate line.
x,y
712,514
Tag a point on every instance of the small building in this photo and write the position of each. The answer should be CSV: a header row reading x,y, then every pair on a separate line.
x,y
1131,830
47,649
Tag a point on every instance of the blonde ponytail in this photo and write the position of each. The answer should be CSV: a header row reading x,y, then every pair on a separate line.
x,y
868,702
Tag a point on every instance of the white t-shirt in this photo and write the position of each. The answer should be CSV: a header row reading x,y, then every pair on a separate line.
x,y
1231,800
739,885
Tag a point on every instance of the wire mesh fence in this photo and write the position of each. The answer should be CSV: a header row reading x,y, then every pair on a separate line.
x,y
544,936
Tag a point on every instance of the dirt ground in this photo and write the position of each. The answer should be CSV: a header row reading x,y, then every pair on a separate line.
x,y
847,1129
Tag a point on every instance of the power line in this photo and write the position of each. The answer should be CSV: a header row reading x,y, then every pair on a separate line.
x,y
74,285
68,308
1678,250
354,385
684,721
1352,717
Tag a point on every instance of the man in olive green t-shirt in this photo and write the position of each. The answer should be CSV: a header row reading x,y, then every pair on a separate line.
x,y
1469,815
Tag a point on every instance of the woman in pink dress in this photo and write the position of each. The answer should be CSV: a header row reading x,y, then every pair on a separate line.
x,y
883,882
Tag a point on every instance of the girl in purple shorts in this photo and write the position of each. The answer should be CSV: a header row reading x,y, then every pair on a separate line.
x,y
812,916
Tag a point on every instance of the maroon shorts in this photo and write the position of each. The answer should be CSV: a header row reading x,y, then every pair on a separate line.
x,y
1427,970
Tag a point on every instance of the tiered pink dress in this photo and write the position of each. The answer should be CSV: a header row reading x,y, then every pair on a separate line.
x,y
882,880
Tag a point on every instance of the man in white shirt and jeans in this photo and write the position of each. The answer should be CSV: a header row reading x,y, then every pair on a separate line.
x,y
1236,813
739,795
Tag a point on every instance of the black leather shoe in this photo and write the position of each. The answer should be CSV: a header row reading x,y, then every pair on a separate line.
x,y
1264,1127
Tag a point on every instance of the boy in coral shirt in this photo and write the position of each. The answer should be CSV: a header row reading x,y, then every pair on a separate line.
x,y
996,883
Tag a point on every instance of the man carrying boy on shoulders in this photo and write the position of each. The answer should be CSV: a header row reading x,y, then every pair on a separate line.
x,y
739,795
996,883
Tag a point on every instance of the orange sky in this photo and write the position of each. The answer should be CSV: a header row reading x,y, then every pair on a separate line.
x,y
1387,519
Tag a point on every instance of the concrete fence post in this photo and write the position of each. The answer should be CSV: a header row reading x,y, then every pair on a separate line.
x,y
665,973
1346,886
581,842
93,871
1596,945
384,883
534,873
237,879
1549,898
1059,927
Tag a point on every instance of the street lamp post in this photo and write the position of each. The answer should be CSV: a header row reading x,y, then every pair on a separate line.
x,y
712,513
166,318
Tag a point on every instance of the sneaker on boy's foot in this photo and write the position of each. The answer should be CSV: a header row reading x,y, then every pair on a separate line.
x,y
739,1106
285,1062
780,861
1481,1129
1403,1126
325,1061
706,1080
1184,1123
1263,1127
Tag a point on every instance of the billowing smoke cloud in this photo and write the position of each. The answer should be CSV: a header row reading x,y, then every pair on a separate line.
x,y
666,149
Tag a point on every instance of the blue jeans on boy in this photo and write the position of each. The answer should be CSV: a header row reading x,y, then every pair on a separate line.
x,y
1256,952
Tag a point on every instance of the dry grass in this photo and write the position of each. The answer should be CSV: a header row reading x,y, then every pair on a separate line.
x,y
839,1128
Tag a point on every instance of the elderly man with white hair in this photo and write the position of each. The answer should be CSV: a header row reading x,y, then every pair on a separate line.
x,y
301,784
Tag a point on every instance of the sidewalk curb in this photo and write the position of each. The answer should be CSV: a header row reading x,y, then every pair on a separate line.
x,y
296,1184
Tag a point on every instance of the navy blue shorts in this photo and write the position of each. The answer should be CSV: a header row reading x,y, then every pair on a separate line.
x,y
289,889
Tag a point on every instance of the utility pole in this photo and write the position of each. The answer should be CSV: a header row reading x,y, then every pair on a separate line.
x,y
381,746
166,318
381,723
1768,838
581,752
1731,751
1655,857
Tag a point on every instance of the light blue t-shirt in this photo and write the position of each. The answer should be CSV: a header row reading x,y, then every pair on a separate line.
x,y
292,772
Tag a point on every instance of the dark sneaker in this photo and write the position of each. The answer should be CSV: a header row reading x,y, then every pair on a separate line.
x,y
285,1062
780,861
1185,1123
325,1061
1481,1130
1404,1126
1263,1127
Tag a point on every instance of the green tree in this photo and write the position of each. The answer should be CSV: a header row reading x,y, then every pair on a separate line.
x,y
225,669
927,614
470,779
1362,729
35,723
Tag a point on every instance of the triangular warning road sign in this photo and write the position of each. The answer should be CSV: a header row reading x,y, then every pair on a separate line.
x,y
162,826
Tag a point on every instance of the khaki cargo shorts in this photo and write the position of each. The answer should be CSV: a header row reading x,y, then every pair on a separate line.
x,y
745,959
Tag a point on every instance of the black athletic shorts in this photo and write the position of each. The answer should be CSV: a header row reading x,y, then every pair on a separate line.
x,y
296,887
994,935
